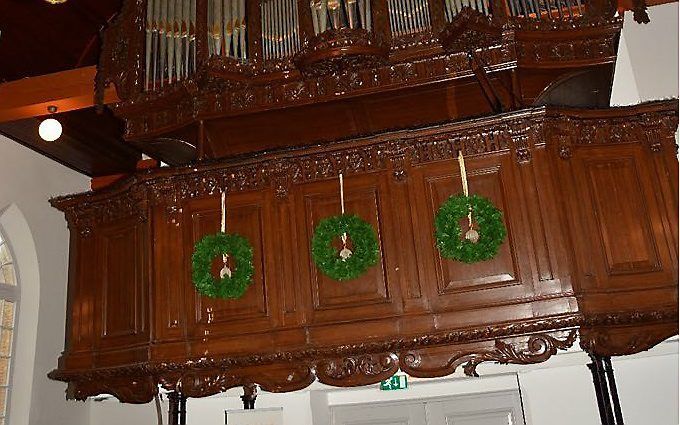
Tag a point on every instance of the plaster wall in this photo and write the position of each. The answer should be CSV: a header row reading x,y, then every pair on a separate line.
x,y
39,238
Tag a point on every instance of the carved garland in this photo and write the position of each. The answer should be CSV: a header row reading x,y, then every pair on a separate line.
x,y
141,192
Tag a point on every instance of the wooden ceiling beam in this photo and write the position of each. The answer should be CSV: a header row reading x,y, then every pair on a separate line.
x,y
67,90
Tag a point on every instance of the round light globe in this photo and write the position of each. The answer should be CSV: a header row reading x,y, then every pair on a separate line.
x,y
50,130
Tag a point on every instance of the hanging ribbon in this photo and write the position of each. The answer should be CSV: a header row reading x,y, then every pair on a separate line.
x,y
226,271
345,252
471,235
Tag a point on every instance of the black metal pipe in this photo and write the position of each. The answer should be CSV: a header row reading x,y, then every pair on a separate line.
x,y
614,392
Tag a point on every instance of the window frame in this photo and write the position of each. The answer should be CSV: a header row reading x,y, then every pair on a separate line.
x,y
11,293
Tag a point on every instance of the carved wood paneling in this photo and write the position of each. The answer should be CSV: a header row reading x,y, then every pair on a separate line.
x,y
121,295
558,175
247,215
372,294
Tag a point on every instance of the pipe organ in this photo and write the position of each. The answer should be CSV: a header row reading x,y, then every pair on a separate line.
x,y
171,26
280,28
170,42
409,16
227,27
337,14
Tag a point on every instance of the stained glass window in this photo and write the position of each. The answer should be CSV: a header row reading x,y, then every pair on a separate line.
x,y
8,304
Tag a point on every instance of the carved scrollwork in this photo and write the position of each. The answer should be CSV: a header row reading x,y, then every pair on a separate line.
x,y
538,348
470,30
136,390
336,51
359,370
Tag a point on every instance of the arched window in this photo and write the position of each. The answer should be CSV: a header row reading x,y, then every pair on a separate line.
x,y
9,298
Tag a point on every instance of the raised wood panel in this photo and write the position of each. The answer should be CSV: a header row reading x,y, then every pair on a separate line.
x,y
246,216
81,301
454,285
122,292
371,294
622,216
168,295
621,220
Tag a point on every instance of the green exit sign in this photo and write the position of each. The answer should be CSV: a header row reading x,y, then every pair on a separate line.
x,y
397,382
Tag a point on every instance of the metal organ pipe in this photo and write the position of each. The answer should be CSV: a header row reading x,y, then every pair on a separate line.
x,y
411,16
280,28
341,14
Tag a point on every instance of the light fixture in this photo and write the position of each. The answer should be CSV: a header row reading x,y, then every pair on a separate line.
x,y
56,1
50,129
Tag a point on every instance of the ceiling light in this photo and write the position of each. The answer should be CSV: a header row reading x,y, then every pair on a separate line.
x,y
50,129
56,1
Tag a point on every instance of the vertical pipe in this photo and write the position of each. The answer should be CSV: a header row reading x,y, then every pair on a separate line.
x,y
178,38
369,22
315,17
192,34
263,27
390,10
609,369
170,34
277,29
186,39
362,13
147,52
601,390
296,26
155,44
243,47
162,29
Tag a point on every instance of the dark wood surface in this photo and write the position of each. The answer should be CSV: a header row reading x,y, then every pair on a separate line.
x,y
589,200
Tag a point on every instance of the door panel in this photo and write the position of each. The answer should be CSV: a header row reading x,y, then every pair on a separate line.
x,y
495,408
498,408
376,414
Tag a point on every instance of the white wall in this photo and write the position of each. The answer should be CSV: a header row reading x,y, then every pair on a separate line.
x,y
27,181
647,64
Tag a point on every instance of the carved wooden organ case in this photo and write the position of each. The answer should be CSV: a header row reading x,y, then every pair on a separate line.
x,y
270,100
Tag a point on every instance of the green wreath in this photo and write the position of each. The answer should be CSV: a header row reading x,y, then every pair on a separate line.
x,y
211,246
488,222
365,250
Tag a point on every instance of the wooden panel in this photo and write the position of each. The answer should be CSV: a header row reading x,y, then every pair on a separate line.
x,y
622,224
622,216
121,250
169,308
455,285
246,215
372,293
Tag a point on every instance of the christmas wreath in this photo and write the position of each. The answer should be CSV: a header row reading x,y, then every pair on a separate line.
x,y
486,234
347,263
233,284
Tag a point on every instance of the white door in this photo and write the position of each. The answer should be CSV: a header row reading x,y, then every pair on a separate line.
x,y
496,408
404,413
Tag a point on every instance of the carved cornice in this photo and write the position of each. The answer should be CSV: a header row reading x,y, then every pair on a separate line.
x,y
652,125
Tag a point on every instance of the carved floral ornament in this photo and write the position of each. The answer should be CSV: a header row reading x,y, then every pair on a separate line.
x,y
369,363
518,132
